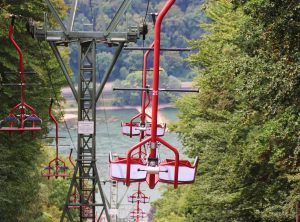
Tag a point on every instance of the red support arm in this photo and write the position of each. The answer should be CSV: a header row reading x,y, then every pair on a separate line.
x,y
155,83
56,127
144,85
12,40
175,151
129,154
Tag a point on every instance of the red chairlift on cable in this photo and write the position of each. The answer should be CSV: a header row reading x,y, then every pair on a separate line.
x,y
134,128
153,170
138,196
137,213
56,167
19,119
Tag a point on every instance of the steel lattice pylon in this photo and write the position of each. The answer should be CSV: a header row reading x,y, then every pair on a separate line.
x,y
85,180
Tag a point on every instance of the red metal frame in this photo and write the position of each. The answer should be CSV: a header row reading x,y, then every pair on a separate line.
x,y
144,93
21,119
152,179
74,198
56,167
137,213
138,196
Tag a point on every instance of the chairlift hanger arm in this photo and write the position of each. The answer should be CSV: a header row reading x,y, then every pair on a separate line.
x,y
160,89
8,73
21,62
155,87
161,49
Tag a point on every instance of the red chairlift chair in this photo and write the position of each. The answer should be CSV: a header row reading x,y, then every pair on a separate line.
x,y
134,128
137,213
117,169
173,171
186,171
19,119
56,167
138,196
160,129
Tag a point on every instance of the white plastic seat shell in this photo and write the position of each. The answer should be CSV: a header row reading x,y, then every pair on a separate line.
x,y
186,174
135,129
118,171
160,131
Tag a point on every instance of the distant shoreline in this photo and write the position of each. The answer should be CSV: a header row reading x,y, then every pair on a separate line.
x,y
70,106
69,112
162,106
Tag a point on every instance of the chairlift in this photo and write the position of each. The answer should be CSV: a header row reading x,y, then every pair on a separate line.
x,y
137,213
117,168
171,171
22,117
138,196
56,167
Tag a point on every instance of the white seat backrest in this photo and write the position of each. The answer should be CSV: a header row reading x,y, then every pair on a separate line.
x,y
126,130
118,171
159,131
185,174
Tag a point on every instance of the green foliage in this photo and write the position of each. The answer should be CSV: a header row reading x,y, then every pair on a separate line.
x,y
244,123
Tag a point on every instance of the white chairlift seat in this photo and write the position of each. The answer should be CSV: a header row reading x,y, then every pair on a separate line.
x,y
160,130
142,198
118,169
135,213
130,129
186,172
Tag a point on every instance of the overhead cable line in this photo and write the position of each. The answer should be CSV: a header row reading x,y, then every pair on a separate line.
x,y
106,122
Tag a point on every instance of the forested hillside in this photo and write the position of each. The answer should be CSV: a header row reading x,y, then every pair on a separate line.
x,y
24,194
180,24
244,124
